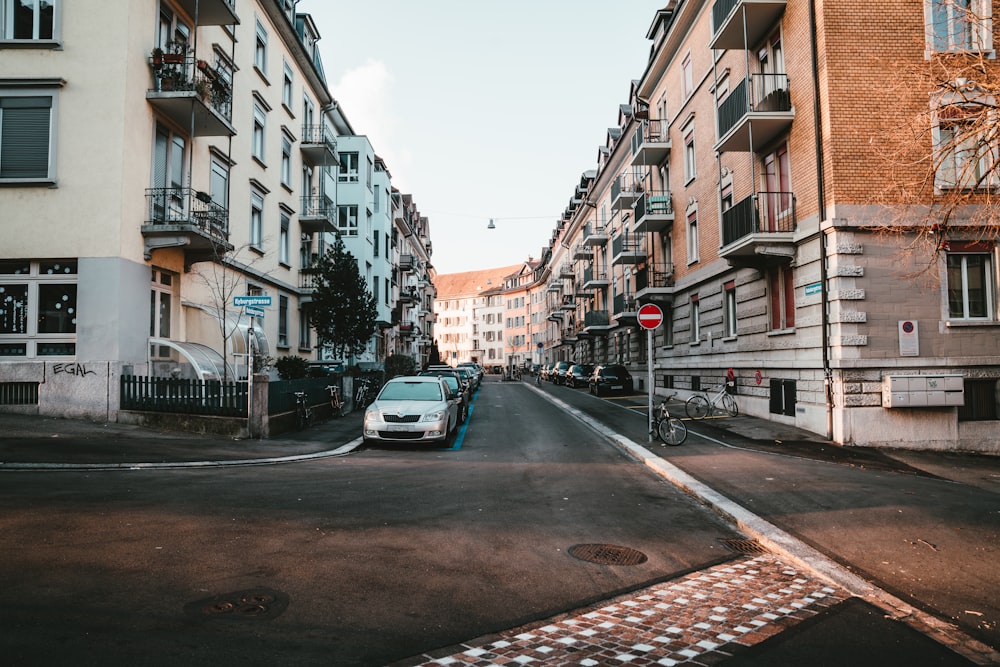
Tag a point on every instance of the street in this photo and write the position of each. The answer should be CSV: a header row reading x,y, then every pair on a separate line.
x,y
395,554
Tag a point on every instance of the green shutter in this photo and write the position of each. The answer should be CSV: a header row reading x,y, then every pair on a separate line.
x,y
24,137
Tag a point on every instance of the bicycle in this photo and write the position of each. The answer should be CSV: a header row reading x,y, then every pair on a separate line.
x,y
362,395
303,413
702,405
336,402
669,429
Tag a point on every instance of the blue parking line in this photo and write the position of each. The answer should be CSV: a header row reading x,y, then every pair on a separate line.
x,y
460,436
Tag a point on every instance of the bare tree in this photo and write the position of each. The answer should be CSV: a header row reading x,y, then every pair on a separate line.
x,y
935,145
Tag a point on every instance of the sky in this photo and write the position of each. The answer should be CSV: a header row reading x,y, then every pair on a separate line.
x,y
484,110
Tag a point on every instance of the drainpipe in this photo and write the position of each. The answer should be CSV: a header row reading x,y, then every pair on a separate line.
x,y
821,199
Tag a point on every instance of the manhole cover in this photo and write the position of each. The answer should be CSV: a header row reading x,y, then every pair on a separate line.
x,y
257,603
745,547
607,554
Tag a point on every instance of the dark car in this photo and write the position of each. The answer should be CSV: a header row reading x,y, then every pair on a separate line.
x,y
610,378
459,392
578,375
558,374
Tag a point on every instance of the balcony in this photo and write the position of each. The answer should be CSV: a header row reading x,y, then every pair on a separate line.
x,y
408,295
628,249
624,191
556,316
595,323
307,283
569,333
408,329
553,286
566,270
193,95
185,218
624,309
406,262
581,251
654,212
756,112
594,237
318,214
654,282
650,143
595,278
319,145
740,24
210,12
581,292
759,228
568,302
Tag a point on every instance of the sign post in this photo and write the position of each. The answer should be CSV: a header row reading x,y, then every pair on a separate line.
x,y
650,317
253,303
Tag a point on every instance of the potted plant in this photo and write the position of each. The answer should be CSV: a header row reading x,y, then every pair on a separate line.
x,y
156,56
175,52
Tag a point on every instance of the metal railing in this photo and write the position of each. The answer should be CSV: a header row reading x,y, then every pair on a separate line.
x,y
186,206
760,213
178,395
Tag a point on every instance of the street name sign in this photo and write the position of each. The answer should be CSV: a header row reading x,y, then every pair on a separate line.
x,y
252,300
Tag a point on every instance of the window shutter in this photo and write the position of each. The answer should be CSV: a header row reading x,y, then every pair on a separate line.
x,y
24,137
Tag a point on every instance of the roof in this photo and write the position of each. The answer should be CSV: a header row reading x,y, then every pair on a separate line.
x,y
471,283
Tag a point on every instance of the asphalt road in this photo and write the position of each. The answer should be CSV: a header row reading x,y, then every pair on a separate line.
x,y
359,560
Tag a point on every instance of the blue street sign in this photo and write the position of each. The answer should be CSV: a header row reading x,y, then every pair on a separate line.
x,y
253,311
248,300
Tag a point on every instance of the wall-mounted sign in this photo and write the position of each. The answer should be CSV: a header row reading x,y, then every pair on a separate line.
x,y
909,342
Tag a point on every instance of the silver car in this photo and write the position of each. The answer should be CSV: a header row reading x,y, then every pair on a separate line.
x,y
411,409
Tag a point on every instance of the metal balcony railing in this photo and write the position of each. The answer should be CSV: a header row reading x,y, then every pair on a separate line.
x,y
186,207
760,93
760,213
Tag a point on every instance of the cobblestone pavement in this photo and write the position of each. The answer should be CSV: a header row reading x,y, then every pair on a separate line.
x,y
701,618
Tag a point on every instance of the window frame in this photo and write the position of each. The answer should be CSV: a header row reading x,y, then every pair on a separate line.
x,y
951,170
964,250
7,38
256,235
729,317
48,90
258,138
40,273
781,298
978,38
260,49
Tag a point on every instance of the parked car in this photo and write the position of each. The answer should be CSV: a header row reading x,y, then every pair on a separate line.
x,y
578,375
470,375
477,370
558,374
545,370
459,392
411,409
608,378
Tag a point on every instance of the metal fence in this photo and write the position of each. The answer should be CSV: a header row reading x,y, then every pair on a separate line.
x,y
198,397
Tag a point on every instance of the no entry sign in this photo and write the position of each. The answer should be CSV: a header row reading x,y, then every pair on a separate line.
x,y
650,316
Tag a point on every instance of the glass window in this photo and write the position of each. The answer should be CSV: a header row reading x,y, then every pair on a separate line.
x,y
25,138
256,219
695,319
958,25
729,314
692,237
284,251
260,49
27,19
690,166
349,173
970,286
286,161
286,87
259,124
38,308
282,321
347,220
782,298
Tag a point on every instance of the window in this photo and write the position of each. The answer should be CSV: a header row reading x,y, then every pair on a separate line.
x,y
375,244
782,297
385,294
350,170
971,291
26,138
282,321
347,220
964,157
375,288
37,308
286,87
259,124
161,301
305,335
692,237
690,164
687,77
167,196
260,49
284,250
695,319
368,174
256,219
777,191
958,25
286,161
24,19
729,305
218,184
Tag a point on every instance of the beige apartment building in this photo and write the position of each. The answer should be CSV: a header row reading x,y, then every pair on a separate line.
x,y
470,316
149,176
741,191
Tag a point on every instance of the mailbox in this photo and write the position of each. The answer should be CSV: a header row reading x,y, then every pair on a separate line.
x,y
922,391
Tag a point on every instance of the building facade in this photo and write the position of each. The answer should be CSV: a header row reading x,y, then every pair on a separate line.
x,y
737,191
217,140
470,311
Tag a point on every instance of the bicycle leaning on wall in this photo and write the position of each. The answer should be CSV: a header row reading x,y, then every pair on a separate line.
x,y
303,413
702,405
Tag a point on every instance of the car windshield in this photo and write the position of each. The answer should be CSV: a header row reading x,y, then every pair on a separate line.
x,y
411,391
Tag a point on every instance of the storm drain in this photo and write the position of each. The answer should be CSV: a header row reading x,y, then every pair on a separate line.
x,y
253,604
744,547
607,554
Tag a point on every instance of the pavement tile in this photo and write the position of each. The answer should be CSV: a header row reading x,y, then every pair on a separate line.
x,y
690,621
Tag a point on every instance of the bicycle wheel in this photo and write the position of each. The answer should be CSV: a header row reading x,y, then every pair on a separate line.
x,y
697,407
672,431
301,417
729,405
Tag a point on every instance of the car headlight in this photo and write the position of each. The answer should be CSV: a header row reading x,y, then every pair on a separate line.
x,y
371,414
437,415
